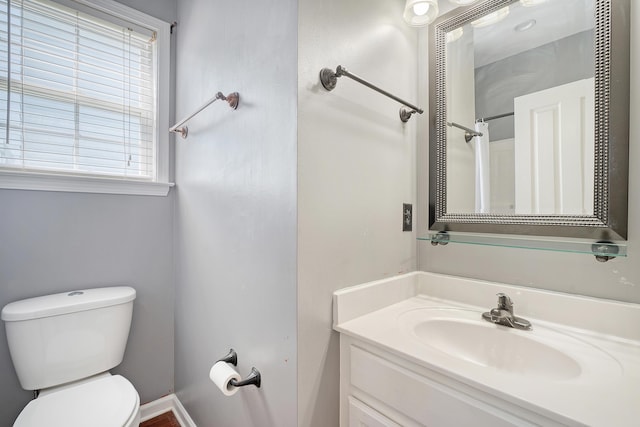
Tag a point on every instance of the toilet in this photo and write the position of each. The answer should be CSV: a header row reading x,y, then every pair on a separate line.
x,y
63,346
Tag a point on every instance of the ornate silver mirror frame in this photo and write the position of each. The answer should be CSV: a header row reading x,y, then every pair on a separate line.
x,y
609,222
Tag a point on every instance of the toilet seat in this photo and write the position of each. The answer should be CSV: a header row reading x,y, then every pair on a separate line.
x,y
108,401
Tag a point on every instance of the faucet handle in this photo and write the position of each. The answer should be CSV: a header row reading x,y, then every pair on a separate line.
x,y
504,302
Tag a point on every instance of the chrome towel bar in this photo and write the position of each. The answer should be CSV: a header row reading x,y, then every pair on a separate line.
x,y
468,134
232,99
329,80
497,116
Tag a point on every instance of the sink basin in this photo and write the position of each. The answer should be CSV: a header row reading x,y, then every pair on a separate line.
x,y
541,353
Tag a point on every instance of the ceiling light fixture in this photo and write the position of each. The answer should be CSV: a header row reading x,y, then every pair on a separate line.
x,y
418,13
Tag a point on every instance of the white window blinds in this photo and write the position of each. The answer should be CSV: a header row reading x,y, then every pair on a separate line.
x,y
77,92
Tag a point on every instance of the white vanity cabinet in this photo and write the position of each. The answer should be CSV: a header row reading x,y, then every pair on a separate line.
x,y
379,389
415,350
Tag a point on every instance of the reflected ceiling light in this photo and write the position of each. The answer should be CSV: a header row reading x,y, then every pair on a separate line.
x,y
462,2
524,26
454,35
529,3
491,18
418,13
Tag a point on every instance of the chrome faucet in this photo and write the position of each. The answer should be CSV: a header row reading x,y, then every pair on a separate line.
x,y
503,314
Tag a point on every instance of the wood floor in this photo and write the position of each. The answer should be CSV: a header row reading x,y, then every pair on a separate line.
x,y
163,420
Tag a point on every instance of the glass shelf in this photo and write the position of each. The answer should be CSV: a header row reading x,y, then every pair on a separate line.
x,y
580,246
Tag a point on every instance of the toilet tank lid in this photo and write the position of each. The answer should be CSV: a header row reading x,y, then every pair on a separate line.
x,y
67,302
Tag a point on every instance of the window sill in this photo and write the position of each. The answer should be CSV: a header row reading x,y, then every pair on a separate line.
x,y
81,184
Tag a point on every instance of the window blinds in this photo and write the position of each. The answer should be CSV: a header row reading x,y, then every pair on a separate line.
x,y
77,93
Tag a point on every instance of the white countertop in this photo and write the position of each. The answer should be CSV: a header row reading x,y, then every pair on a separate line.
x,y
608,395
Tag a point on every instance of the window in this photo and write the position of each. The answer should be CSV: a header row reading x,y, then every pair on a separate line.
x,y
80,97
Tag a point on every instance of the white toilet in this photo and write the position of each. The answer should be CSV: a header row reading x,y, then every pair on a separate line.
x,y
64,345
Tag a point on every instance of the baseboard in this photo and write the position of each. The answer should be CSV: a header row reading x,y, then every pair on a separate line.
x,y
165,404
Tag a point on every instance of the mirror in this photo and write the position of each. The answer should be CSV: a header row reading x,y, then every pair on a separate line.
x,y
529,122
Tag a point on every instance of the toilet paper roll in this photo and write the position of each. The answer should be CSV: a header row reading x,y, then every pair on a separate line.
x,y
221,374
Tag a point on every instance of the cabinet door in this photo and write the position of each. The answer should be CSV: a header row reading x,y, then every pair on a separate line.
x,y
427,402
360,415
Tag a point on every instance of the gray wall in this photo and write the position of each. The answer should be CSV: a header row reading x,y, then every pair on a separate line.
x,y
574,273
53,242
235,223
165,10
497,84
356,166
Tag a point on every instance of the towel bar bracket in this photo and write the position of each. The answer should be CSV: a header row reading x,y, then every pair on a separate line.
x,y
328,78
405,114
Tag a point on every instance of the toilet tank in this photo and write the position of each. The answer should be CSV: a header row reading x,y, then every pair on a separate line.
x,y
55,339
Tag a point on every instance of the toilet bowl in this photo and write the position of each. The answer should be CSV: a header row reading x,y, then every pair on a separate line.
x,y
63,345
103,401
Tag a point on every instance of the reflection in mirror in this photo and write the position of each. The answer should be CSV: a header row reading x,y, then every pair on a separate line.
x,y
529,118
523,77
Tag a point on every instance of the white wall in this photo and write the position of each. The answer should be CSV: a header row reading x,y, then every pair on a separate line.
x,y
54,242
356,166
235,217
580,274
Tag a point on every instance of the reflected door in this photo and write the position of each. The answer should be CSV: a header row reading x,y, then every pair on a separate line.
x,y
554,134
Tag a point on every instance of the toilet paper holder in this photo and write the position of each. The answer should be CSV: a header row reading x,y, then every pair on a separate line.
x,y
254,376
231,357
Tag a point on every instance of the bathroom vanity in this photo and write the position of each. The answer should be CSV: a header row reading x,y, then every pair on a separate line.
x,y
415,351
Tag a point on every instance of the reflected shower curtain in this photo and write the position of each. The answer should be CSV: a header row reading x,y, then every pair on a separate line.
x,y
483,164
